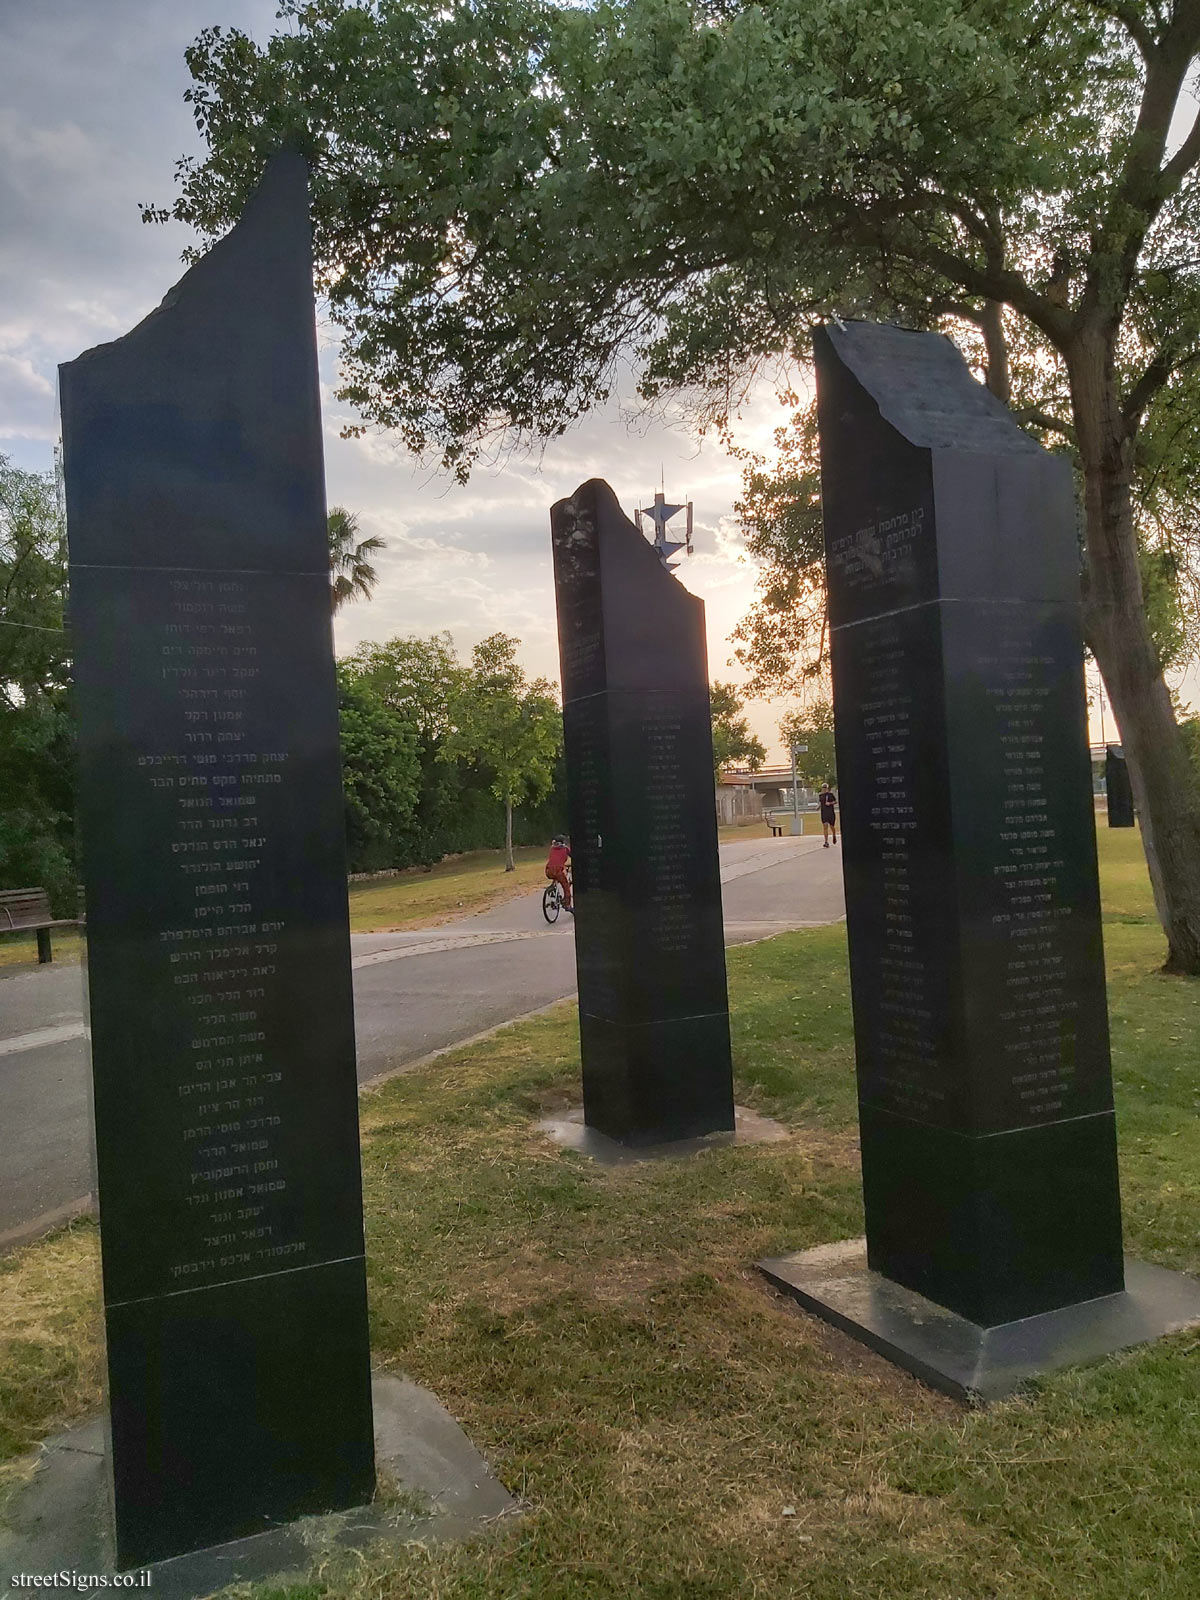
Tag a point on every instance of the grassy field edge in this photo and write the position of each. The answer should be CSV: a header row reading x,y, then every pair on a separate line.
x,y
673,1429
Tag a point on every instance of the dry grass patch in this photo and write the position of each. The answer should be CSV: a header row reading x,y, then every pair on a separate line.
x,y
19,950
51,1344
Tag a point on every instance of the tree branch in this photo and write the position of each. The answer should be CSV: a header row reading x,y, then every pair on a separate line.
x,y
1042,419
1141,189
1149,488
1151,381
14,569
1126,13
1010,288
975,224
992,322
957,308
1185,158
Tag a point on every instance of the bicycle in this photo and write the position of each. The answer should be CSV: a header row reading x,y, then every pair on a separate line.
x,y
552,900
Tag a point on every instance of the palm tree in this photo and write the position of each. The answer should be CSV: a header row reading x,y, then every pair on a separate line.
x,y
351,574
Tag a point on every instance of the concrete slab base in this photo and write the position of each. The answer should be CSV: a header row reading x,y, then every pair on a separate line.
x,y
434,1484
976,1364
573,1133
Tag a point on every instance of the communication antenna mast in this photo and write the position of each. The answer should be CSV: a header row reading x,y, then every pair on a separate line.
x,y
660,513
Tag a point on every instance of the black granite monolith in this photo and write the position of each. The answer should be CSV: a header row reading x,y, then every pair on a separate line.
x,y
1117,787
985,1097
211,822
653,1008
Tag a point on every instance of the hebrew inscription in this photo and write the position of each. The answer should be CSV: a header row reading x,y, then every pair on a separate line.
x,y
211,794
972,904
213,842
648,936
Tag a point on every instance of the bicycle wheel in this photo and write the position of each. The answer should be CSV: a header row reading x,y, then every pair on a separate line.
x,y
551,901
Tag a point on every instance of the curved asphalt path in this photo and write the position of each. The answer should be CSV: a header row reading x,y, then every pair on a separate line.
x,y
415,994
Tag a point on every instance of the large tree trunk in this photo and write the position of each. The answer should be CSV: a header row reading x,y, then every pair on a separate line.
x,y
1117,631
509,863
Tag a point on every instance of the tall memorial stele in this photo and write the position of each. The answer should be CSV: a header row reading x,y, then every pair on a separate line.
x,y
649,943
989,1154
218,961
1117,788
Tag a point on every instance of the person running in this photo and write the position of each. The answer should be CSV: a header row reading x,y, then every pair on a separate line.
x,y
827,801
557,864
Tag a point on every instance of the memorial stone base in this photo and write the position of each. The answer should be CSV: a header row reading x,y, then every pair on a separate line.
x,y
973,1363
572,1132
434,1484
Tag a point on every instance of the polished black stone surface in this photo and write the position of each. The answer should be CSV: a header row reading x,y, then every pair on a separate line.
x,y
239,1407
973,1363
1118,788
646,1083
981,1036
654,1014
216,926
981,1224
212,832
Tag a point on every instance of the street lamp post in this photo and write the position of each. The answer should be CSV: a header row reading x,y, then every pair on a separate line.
x,y
797,750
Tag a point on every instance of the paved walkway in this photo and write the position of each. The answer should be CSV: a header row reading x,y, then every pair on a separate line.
x,y
414,994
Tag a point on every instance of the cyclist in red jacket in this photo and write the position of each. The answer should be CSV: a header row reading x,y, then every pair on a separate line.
x,y
556,868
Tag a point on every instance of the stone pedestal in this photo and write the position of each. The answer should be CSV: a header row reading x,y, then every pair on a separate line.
x,y
951,1353
434,1484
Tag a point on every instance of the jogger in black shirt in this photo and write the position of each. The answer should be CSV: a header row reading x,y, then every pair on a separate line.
x,y
827,800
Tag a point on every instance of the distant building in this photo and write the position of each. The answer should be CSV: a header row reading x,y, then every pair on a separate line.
x,y
744,796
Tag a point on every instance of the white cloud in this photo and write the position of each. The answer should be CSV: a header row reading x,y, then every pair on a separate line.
x,y
33,154
92,125
27,400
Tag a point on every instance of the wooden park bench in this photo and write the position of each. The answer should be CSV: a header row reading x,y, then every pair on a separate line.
x,y
28,910
779,821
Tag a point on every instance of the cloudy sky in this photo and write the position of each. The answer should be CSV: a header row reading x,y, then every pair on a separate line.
x,y
92,120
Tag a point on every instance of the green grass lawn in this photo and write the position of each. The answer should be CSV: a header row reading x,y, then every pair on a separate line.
x,y
1124,883
457,887
453,888
603,1337
729,832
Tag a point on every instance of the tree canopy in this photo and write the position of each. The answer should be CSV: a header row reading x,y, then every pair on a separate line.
x,y
381,772
811,725
418,754
731,735
514,197
510,194
351,575
507,723
783,640
417,678
33,581
37,768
